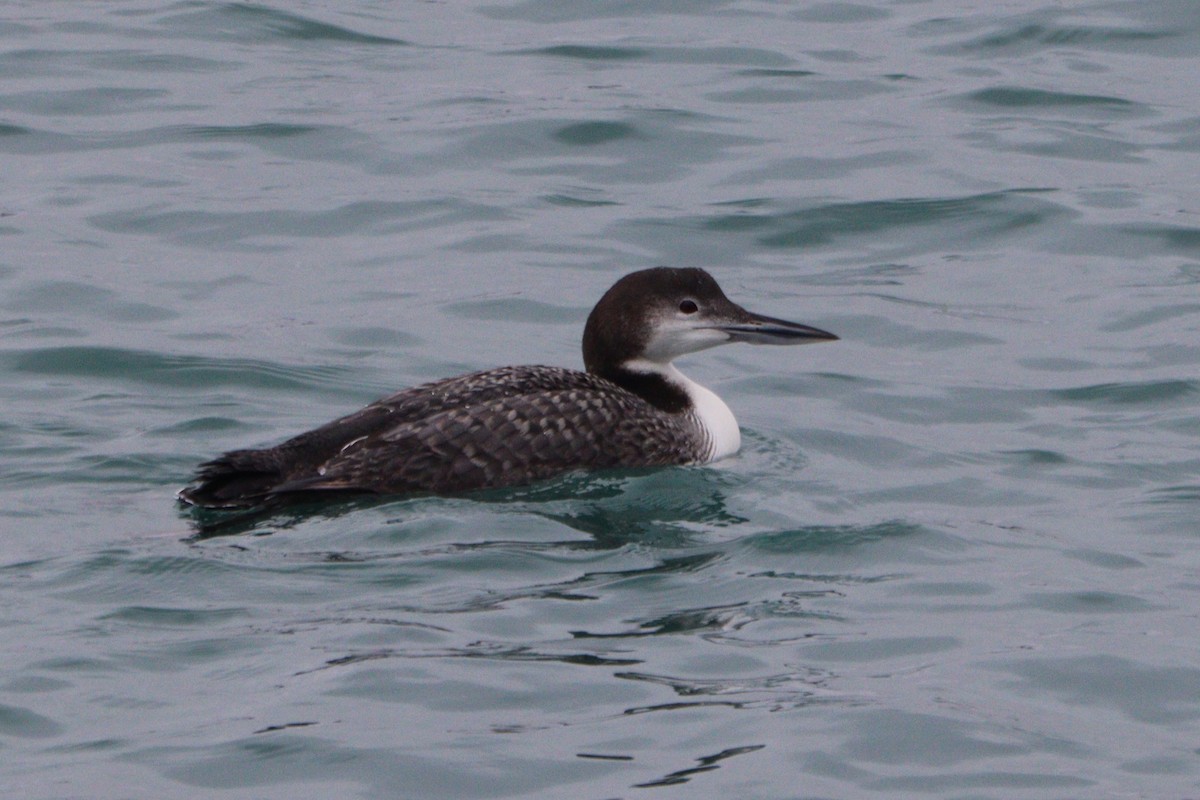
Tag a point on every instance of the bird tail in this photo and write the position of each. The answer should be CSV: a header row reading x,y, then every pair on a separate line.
x,y
238,479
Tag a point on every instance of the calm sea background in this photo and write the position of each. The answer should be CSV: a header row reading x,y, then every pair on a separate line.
x,y
957,557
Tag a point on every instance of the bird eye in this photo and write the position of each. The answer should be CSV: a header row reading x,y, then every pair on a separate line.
x,y
689,307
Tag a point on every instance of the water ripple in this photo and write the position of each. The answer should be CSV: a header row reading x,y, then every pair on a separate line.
x,y
954,557
257,24
164,369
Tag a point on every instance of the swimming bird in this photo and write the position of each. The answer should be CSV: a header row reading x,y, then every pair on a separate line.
x,y
516,425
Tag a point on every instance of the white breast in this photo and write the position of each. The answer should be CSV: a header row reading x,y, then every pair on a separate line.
x,y
716,419
717,422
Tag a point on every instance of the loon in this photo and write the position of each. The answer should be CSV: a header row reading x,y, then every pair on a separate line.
x,y
516,425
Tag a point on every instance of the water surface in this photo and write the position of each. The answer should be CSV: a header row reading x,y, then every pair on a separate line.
x,y
956,556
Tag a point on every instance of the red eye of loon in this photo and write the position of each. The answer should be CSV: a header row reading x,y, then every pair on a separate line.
x,y
689,307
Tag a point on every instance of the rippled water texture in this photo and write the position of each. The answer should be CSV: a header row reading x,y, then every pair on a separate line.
x,y
958,553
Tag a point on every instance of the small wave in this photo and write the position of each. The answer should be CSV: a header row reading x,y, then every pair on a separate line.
x,y
249,22
1130,393
164,369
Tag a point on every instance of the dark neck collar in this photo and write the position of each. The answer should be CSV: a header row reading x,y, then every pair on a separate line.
x,y
653,387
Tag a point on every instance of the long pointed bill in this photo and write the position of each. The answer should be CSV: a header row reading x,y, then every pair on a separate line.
x,y
756,329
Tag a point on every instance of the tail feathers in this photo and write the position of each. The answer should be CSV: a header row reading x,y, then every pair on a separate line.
x,y
239,479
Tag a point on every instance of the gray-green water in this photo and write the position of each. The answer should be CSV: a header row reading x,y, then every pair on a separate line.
x,y
958,555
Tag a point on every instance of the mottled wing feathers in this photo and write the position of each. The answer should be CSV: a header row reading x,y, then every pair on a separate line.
x,y
503,442
501,427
